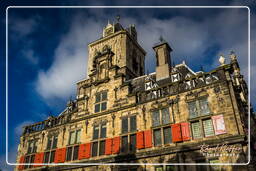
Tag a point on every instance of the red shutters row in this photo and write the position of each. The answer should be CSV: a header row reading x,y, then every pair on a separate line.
x,y
39,158
84,151
180,132
60,155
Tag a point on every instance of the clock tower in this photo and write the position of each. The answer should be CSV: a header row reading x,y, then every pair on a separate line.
x,y
117,48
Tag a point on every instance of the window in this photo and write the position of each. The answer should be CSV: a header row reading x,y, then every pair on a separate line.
x,y
160,117
99,135
32,146
100,102
73,147
128,139
29,159
198,108
50,149
161,129
202,128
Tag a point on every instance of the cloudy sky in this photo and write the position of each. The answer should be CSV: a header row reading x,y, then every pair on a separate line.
x,y
47,49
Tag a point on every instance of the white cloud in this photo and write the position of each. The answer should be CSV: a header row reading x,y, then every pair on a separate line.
x,y
70,61
19,128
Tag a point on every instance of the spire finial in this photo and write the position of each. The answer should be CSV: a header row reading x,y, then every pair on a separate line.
x,y
161,38
118,18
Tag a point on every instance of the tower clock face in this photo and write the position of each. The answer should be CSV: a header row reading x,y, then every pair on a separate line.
x,y
108,31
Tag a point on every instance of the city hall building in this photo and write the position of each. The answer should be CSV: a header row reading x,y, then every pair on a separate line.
x,y
123,116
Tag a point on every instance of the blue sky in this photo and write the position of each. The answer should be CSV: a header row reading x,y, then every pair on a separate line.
x,y
48,50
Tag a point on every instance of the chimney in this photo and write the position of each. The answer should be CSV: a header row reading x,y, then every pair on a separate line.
x,y
163,60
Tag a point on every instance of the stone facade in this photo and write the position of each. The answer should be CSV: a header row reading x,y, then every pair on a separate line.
x,y
121,115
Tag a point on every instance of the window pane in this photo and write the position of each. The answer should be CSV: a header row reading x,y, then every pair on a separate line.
x,y
204,108
46,157
32,158
103,131
69,154
97,98
97,108
75,154
208,128
94,149
155,118
167,135
133,142
192,109
102,147
96,132
49,143
133,123
125,125
72,137
103,106
124,144
196,130
55,141
165,116
52,156
157,137
104,96
78,135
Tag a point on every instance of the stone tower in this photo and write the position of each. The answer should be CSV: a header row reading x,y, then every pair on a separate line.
x,y
117,47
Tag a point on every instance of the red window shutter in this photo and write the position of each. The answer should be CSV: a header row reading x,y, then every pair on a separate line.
x,y
219,124
108,146
140,140
60,155
185,131
87,150
39,158
148,138
81,151
116,145
22,159
176,133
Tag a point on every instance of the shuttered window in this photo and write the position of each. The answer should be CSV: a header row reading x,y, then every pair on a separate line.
x,y
124,144
94,149
167,135
128,139
100,102
102,148
46,157
75,153
99,142
157,137
133,142
52,156
69,154
196,130
208,128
